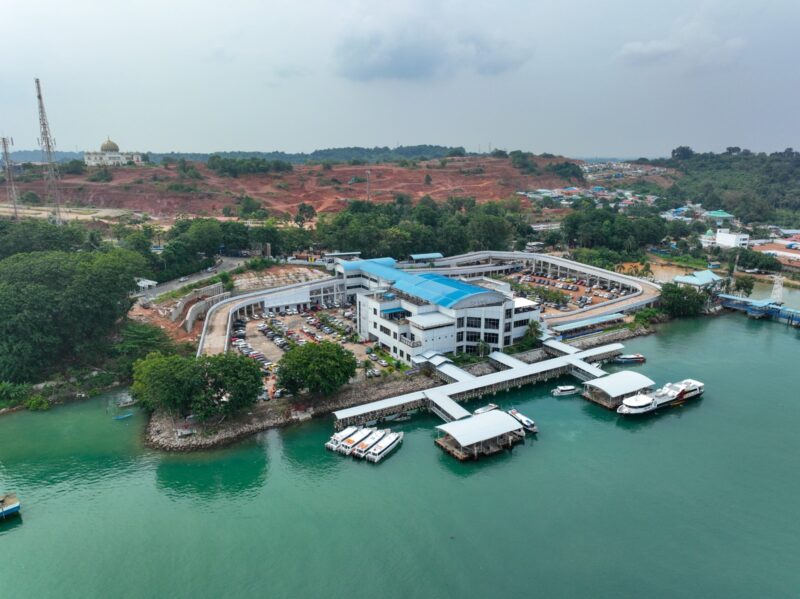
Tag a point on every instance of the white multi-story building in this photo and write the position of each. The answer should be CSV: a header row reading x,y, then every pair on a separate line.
x,y
725,239
109,155
409,314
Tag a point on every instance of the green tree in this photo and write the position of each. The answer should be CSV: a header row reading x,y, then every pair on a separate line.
x,y
232,383
533,334
682,301
305,213
73,167
321,368
170,383
428,179
744,285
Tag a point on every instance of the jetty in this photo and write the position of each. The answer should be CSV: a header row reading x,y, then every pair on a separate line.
x,y
462,386
763,308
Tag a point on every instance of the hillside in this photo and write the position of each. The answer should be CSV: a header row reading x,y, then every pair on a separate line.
x,y
157,189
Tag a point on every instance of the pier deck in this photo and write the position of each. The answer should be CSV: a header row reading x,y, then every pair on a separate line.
x,y
441,400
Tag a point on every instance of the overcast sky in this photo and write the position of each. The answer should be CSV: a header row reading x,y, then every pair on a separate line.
x,y
588,78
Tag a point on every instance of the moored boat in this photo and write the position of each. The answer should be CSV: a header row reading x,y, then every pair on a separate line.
x,y
9,505
123,416
126,403
565,390
384,447
404,417
361,449
630,359
487,408
337,438
527,423
348,445
669,395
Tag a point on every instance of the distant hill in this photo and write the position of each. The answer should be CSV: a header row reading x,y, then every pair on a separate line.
x,y
371,155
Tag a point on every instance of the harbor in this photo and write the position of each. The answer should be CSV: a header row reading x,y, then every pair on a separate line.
x,y
719,473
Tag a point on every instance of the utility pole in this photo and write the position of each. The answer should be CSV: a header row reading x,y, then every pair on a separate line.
x,y
11,188
368,185
48,147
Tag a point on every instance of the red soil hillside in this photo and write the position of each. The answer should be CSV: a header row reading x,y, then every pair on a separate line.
x,y
146,188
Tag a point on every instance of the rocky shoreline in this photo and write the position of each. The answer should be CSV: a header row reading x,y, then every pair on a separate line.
x,y
162,429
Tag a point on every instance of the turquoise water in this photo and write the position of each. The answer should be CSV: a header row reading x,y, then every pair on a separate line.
x,y
700,501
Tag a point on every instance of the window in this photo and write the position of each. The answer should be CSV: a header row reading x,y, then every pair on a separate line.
x,y
460,323
491,337
375,311
460,336
394,349
471,349
395,335
507,340
473,336
402,355
508,312
374,325
491,323
507,327
473,323
385,330
520,323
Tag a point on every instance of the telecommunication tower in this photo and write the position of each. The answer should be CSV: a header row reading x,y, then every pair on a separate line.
x,y
11,188
48,148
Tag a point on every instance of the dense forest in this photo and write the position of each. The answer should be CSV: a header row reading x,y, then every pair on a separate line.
x,y
756,187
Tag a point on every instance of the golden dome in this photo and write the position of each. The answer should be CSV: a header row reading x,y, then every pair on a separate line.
x,y
109,146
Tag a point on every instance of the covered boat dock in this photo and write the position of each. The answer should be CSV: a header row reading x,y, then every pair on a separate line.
x,y
483,434
610,390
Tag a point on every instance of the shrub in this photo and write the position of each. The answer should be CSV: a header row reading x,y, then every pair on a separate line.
x,y
37,403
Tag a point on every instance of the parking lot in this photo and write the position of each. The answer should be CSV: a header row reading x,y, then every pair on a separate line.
x,y
578,290
266,337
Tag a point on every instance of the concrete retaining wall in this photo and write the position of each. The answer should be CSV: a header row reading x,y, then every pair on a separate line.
x,y
201,308
207,291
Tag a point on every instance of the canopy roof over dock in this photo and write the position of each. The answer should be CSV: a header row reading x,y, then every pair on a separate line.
x,y
621,383
481,427
429,256
588,322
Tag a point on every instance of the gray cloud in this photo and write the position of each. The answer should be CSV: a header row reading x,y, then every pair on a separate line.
x,y
421,53
691,45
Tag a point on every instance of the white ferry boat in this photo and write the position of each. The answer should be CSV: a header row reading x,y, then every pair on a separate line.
x,y
348,445
527,423
669,395
361,449
337,438
566,390
630,359
487,408
384,447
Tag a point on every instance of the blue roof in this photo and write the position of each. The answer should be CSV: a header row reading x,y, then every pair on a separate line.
x,y
756,303
433,288
700,277
431,256
563,328
392,311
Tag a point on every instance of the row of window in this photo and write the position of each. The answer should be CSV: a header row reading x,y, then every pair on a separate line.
x,y
473,322
474,337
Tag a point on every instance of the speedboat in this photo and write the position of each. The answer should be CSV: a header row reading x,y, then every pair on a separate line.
x,y
9,505
670,394
361,449
337,438
348,445
565,390
630,359
528,424
384,447
487,408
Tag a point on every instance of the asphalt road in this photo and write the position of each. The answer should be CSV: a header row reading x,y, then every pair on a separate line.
x,y
226,264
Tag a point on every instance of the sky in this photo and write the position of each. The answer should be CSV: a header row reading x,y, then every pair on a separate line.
x,y
577,78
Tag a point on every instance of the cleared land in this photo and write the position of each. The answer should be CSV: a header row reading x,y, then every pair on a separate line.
x,y
147,189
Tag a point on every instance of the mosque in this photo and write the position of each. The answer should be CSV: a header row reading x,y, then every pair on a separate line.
x,y
109,155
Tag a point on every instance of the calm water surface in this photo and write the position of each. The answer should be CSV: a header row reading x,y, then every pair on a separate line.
x,y
700,501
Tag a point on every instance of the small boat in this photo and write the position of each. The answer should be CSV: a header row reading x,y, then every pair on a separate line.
x,y
384,447
9,505
528,424
669,395
565,390
127,403
487,408
348,445
361,449
337,438
404,417
123,416
630,359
